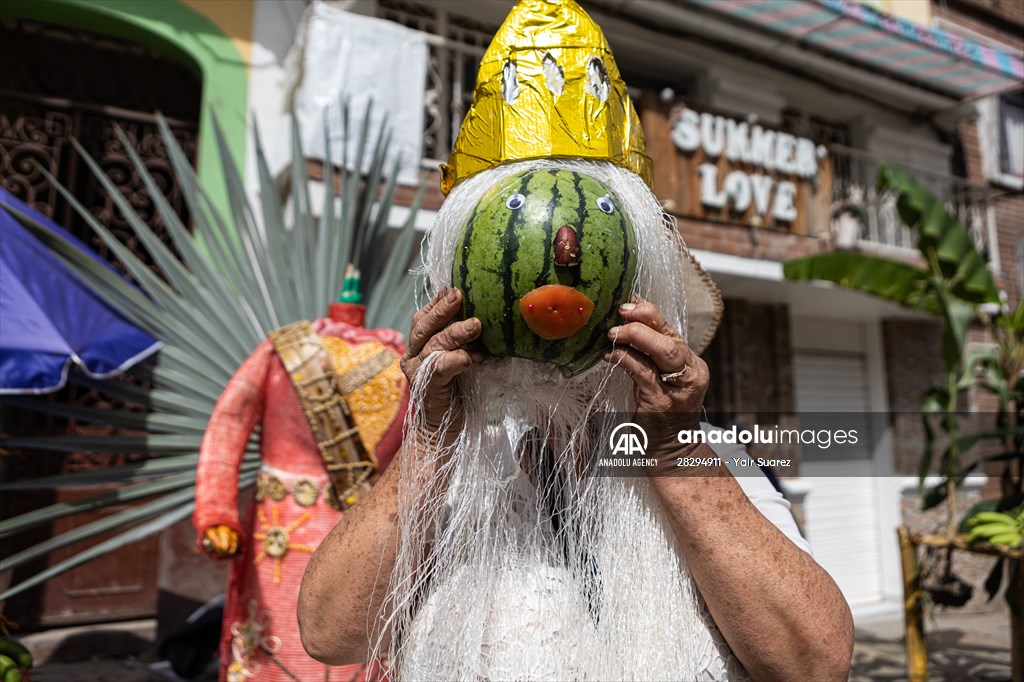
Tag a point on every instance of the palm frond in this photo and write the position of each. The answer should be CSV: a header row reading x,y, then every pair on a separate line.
x,y
217,294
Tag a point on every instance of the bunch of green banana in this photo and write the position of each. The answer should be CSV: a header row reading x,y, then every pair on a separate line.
x,y
998,528
15,660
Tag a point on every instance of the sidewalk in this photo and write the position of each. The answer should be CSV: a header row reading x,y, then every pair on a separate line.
x,y
960,647
112,652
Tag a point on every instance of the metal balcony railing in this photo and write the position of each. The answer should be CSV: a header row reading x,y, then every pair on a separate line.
x,y
862,218
456,45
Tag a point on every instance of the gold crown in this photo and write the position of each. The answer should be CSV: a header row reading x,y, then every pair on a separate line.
x,y
548,87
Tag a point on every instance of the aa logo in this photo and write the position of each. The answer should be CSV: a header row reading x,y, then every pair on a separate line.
x,y
628,439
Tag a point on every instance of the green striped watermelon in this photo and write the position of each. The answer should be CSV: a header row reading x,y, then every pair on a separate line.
x,y
532,302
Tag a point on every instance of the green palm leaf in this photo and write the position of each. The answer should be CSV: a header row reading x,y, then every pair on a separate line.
x,y
236,278
889,279
955,277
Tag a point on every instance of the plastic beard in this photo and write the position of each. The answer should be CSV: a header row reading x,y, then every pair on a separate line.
x,y
512,562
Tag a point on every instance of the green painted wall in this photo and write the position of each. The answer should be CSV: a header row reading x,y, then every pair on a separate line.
x,y
181,33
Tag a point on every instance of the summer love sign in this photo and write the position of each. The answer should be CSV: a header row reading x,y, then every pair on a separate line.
x,y
738,171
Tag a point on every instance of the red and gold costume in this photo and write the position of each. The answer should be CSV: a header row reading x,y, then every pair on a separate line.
x,y
291,513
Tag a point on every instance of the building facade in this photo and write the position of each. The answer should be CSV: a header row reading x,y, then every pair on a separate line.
x,y
80,70
767,123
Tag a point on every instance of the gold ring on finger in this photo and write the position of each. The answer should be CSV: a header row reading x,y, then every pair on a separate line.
x,y
671,377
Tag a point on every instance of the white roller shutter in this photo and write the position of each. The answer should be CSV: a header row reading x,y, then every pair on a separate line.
x,y
841,511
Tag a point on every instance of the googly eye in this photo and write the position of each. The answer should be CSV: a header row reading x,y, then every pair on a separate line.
x,y
605,204
515,201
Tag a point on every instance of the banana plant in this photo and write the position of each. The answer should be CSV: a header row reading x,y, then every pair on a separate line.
x,y
236,278
952,282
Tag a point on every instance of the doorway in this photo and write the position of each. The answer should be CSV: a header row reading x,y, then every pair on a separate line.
x,y
61,84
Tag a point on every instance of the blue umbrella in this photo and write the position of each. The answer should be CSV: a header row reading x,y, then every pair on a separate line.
x,y
49,318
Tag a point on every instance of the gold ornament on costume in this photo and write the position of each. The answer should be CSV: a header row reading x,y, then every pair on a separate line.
x,y
276,489
276,539
305,493
548,86
370,377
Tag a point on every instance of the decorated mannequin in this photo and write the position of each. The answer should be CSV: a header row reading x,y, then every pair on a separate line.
x,y
297,500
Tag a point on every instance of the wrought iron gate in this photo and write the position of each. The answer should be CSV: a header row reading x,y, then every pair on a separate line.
x,y
57,85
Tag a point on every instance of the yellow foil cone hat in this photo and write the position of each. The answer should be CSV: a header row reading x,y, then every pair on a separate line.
x,y
548,87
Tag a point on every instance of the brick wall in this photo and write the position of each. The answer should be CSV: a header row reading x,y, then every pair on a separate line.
x,y
1008,211
912,350
740,240
996,19
1003,21
912,363
967,130
1010,228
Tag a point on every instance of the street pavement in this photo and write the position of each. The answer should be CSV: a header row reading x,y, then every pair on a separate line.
x,y
961,647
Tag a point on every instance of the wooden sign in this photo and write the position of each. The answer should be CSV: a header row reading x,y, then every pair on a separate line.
x,y
722,169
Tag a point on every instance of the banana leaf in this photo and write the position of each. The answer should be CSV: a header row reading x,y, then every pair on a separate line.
x,y
963,268
955,266
954,281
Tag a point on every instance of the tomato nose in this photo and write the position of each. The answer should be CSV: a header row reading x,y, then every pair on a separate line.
x,y
555,311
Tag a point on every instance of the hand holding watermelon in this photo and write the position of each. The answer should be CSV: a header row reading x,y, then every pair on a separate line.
x,y
668,376
431,333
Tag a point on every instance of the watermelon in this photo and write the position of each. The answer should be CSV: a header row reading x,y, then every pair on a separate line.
x,y
544,261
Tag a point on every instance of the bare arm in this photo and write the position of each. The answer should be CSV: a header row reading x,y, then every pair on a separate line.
x,y
781,613
346,581
347,577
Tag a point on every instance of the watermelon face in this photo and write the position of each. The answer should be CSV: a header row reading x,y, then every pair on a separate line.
x,y
544,262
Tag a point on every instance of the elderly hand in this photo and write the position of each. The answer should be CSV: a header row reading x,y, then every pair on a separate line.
x,y
668,377
432,333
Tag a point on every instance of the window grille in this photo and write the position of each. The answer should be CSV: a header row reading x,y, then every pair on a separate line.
x,y
821,130
456,45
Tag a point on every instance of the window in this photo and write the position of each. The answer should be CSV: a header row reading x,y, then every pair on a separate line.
x,y
834,135
456,45
1001,138
1011,132
1000,120
821,130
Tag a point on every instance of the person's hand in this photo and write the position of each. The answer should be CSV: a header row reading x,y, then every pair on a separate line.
x,y
221,541
432,333
668,377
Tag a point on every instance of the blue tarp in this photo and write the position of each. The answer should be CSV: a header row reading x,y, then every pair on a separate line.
x,y
49,318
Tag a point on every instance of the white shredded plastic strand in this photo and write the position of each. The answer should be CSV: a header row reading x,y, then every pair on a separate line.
x,y
512,561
